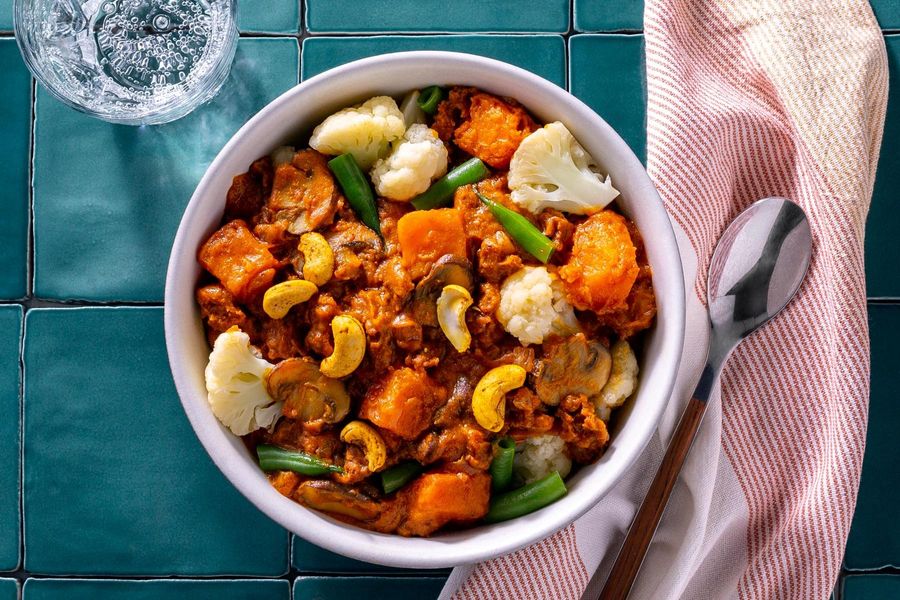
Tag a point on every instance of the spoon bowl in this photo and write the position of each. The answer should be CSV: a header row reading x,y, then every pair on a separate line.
x,y
757,266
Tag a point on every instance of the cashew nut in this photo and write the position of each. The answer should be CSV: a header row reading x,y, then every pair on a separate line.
x,y
489,399
363,434
349,347
318,258
281,297
451,315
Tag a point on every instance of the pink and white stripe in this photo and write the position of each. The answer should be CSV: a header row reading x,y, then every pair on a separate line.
x,y
748,99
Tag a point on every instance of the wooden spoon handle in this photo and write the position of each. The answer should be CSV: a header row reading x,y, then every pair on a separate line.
x,y
647,518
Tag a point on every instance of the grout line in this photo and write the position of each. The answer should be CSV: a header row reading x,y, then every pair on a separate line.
x,y
29,269
304,8
567,67
32,302
304,34
21,576
353,34
266,34
20,564
889,570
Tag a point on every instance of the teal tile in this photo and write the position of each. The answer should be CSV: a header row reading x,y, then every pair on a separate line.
x,y
9,589
620,95
6,15
108,198
309,558
262,16
436,16
882,245
887,12
871,587
116,483
340,588
112,589
10,339
874,540
541,54
608,15
15,127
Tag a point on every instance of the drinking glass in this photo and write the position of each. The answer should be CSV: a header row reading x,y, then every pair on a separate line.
x,y
136,62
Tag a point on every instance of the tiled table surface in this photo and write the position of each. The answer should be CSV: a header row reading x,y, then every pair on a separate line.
x,y
114,484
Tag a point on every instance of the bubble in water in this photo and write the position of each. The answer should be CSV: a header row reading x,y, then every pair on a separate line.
x,y
161,22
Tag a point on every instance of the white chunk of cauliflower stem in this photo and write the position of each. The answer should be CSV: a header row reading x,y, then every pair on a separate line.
x,y
538,456
550,169
235,383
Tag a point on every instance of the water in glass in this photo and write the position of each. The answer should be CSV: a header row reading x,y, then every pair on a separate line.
x,y
129,61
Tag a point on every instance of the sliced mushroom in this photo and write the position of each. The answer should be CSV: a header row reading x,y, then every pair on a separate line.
x,y
353,245
307,394
338,499
448,270
571,365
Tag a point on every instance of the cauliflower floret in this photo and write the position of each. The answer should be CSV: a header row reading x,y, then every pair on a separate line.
x,y
417,160
550,169
533,305
364,131
622,378
539,456
234,381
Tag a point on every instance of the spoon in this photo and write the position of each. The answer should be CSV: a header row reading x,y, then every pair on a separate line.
x,y
755,270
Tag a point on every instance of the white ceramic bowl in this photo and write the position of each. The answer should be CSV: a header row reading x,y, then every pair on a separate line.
x,y
288,119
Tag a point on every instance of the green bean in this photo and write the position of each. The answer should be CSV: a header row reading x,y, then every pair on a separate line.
x,y
471,171
502,465
399,475
429,99
357,189
526,499
273,458
521,230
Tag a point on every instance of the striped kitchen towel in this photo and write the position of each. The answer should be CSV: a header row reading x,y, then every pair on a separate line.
x,y
747,99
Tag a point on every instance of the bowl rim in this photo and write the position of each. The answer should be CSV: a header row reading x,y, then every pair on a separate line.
x,y
431,552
